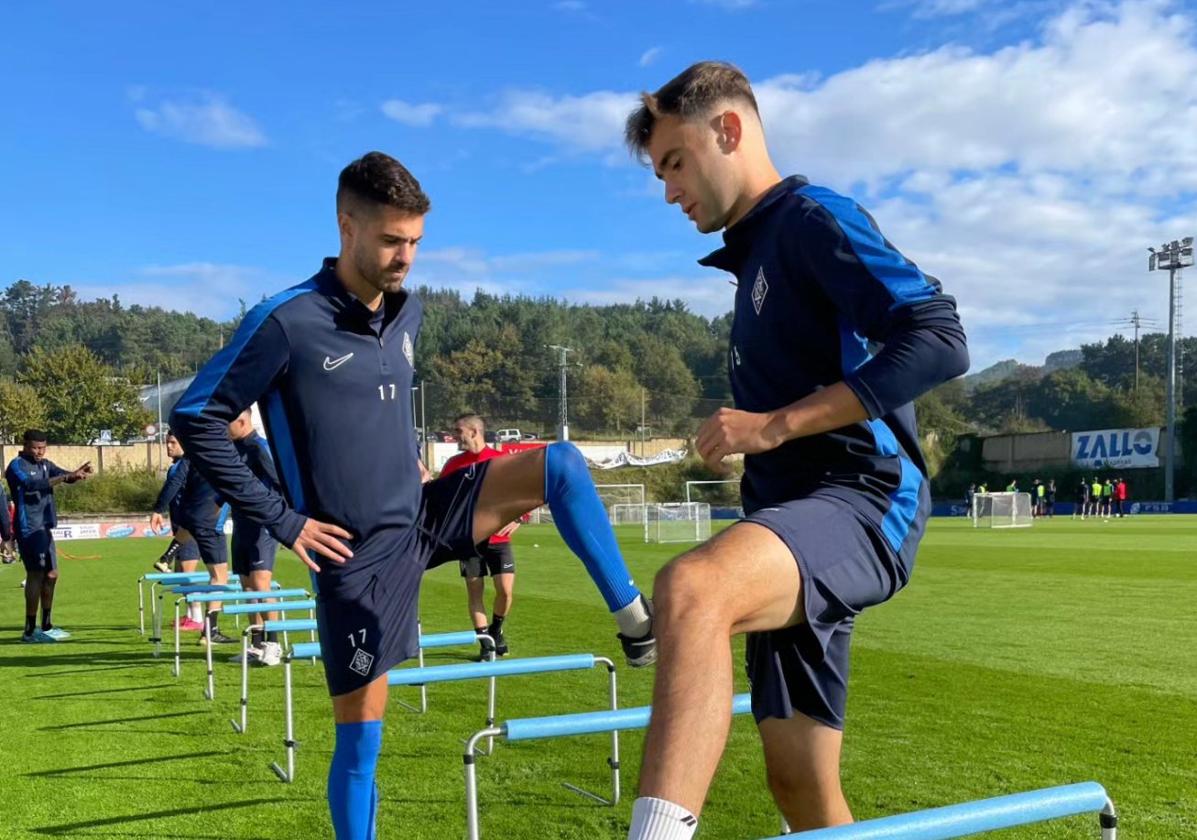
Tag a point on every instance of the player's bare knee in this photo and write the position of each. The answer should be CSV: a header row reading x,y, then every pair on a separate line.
x,y
683,593
52,576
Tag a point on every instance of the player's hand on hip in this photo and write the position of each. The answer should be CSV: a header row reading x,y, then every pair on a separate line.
x,y
321,538
730,431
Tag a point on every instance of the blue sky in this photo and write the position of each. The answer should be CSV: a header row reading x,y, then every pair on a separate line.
x,y
1025,152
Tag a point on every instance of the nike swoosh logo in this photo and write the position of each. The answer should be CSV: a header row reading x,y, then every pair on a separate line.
x,y
333,364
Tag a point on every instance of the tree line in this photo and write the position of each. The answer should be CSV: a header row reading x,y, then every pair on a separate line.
x,y
74,367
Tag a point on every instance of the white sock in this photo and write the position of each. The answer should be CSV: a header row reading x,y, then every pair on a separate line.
x,y
634,620
195,612
659,819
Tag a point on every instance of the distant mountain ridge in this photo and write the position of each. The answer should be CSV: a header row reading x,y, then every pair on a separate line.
x,y
1006,368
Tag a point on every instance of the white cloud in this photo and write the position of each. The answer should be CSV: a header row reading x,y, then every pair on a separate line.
x,y
1030,178
207,120
418,116
650,55
592,122
206,289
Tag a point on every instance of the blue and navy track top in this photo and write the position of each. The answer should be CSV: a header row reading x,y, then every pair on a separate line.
x,y
170,497
256,454
332,380
823,297
32,495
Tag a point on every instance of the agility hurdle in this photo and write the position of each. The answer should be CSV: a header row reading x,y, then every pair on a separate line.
x,y
282,625
165,578
206,586
217,593
982,815
557,726
283,607
489,669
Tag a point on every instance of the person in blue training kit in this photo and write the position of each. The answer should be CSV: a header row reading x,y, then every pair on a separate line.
x,y
185,554
200,517
254,548
330,363
31,478
834,334
7,556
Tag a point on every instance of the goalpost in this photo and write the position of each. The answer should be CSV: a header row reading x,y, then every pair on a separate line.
x,y
1002,510
678,522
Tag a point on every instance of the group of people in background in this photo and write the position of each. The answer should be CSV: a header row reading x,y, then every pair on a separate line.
x,y
1106,499
1094,497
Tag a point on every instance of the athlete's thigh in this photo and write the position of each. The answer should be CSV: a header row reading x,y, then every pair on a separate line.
x,y
749,574
512,486
366,703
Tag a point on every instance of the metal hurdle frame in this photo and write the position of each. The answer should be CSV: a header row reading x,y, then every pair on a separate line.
x,y
207,594
284,626
488,669
557,726
249,608
981,815
186,589
166,579
432,641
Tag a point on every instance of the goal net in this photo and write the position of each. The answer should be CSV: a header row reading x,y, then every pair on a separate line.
x,y
1002,510
625,505
678,522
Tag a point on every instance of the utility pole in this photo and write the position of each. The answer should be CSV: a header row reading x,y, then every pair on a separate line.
x,y
563,364
1136,322
1172,256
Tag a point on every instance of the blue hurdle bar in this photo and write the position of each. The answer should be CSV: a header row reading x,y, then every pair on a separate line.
x,y
248,609
440,640
982,815
219,592
489,669
558,726
165,579
278,625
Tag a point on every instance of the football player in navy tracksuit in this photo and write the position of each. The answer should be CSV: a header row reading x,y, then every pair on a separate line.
x,y
31,479
254,548
834,335
330,363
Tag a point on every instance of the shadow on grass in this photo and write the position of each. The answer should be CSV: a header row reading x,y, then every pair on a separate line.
x,y
138,719
68,828
60,695
136,762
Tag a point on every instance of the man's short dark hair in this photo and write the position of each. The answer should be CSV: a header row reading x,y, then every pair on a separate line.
x,y
472,419
377,178
689,95
35,436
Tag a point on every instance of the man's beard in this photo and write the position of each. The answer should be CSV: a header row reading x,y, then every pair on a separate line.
x,y
382,278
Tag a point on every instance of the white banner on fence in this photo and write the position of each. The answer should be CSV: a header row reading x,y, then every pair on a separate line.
x,y
1118,449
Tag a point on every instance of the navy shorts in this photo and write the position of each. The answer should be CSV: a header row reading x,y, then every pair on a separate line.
x,y
493,559
367,610
253,552
38,551
848,561
213,547
188,552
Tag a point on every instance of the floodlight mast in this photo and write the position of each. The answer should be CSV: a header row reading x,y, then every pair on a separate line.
x,y
1171,256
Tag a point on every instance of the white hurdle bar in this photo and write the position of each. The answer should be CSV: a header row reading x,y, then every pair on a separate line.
x,y
284,626
488,669
980,816
557,726
207,594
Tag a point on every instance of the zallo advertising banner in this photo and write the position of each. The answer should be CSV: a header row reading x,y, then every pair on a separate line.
x,y
1116,449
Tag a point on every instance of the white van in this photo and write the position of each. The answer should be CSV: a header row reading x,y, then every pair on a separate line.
x,y
508,436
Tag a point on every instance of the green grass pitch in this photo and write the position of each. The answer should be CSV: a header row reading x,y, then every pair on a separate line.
x,y
1014,660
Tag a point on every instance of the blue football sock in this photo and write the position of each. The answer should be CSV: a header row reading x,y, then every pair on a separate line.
x,y
352,796
582,521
